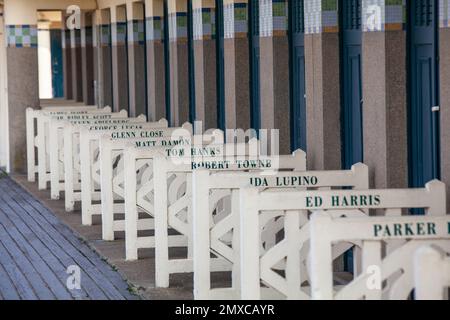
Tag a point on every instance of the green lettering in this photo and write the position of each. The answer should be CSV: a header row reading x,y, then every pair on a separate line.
x,y
420,229
309,203
431,228
335,201
377,228
397,229
408,230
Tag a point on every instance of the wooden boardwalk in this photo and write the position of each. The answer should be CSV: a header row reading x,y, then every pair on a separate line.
x,y
36,250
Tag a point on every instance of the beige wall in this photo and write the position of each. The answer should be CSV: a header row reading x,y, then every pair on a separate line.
x,y
24,11
4,126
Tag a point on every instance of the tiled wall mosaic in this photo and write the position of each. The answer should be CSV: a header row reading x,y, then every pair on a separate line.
x,y
280,17
138,34
105,35
204,23
444,13
21,36
75,38
265,18
155,28
273,18
119,33
321,16
377,15
384,15
178,26
235,20
87,36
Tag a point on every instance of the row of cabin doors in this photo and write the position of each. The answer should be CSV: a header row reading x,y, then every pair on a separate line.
x,y
423,115
296,33
423,81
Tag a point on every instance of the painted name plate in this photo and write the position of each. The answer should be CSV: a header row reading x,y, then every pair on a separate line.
x,y
100,121
285,181
234,163
79,117
387,228
56,113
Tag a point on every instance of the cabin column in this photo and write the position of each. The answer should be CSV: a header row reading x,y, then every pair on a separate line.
x,y
178,59
274,70
87,58
105,60
156,81
204,49
236,61
136,58
444,69
384,106
23,86
76,64
322,85
67,61
119,58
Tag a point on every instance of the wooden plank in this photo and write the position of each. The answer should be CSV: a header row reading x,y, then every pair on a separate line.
x,y
25,266
74,243
73,250
24,222
17,278
36,212
37,259
47,255
7,289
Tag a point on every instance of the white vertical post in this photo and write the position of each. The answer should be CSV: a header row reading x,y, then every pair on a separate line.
x,y
54,160
131,213
161,223
31,161
42,166
235,216
292,230
250,244
201,242
85,168
428,277
321,258
371,262
68,168
107,194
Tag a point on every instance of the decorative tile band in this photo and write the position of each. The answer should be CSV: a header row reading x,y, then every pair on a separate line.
x,y
228,21
204,23
265,18
240,20
178,26
280,17
273,18
384,15
155,28
22,36
444,13
235,20
105,36
87,36
119,33
321,16
75,38
138,34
